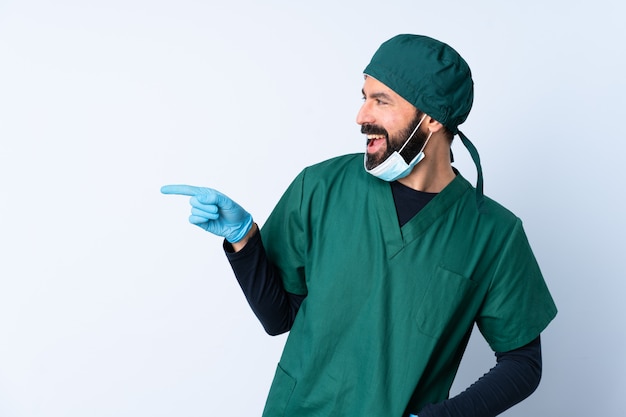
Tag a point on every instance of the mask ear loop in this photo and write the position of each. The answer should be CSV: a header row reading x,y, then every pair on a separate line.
x,y
411,137
479,182
425,142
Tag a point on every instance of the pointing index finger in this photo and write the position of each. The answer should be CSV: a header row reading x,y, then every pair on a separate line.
x,y
181,189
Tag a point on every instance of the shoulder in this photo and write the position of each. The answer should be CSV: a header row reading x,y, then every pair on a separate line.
x,y
335,172
338,165
320,180
483,212
491,209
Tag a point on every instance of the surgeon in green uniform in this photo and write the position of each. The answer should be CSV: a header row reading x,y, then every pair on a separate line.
x,y
379,264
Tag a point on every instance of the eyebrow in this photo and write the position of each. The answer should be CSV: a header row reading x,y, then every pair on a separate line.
x,y
382,95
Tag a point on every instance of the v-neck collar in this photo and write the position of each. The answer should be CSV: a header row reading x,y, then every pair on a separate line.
x,y
396,237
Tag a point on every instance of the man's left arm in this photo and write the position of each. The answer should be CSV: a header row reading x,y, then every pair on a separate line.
x,y
516,309
515,376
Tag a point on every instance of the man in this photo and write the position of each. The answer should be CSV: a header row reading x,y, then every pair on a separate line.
x,y
380,273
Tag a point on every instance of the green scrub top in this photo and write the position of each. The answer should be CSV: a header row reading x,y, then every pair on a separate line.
x,y
389,309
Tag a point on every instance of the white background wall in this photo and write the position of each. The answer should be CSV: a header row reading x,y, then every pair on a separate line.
x,y
111,304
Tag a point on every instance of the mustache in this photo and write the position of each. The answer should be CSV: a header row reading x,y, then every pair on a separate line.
x,y
373,130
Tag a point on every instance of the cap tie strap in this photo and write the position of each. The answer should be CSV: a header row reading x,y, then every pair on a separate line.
x,y
474,153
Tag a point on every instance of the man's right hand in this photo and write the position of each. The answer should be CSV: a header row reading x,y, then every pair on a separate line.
x,y
214,212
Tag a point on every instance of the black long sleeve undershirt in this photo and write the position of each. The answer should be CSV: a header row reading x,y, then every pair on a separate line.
x,y
275,308
516,375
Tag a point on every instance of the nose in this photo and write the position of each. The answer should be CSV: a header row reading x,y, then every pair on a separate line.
x,y
365,116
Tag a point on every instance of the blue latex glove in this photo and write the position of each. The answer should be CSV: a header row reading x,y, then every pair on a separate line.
x,y
214,212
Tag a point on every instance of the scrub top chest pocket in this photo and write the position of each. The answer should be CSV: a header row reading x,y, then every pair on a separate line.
x,y
445,300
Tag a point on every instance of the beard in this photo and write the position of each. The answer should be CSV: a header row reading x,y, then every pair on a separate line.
x,y
396,142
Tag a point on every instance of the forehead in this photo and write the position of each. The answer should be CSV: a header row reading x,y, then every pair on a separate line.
x,y
374,88
371,84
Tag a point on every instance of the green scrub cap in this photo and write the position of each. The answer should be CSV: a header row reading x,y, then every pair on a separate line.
x,y
428,74
433,77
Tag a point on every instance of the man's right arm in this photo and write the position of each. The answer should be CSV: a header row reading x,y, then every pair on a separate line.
x,y
260,281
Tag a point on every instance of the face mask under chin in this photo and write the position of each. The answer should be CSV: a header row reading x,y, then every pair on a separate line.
x,y
394,167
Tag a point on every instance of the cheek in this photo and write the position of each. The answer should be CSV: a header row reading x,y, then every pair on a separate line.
x,y
402,122
394,126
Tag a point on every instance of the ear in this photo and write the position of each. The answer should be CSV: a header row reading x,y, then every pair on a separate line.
x,y
433,125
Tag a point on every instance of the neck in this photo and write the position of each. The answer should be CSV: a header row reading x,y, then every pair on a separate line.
x,y
434,172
